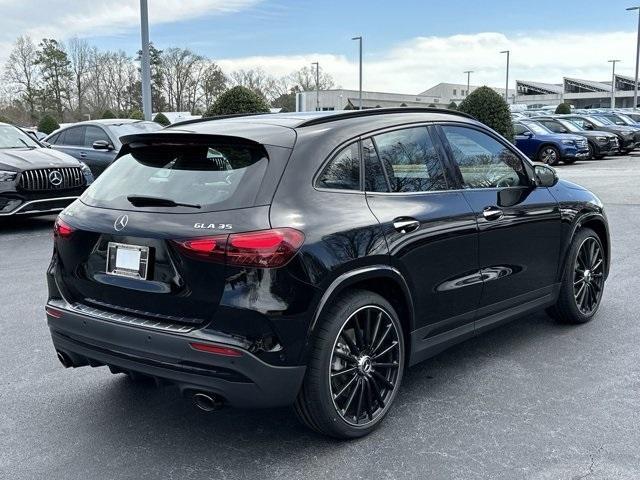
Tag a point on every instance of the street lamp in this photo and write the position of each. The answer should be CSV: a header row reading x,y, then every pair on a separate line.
x,y
468,72
317,85
613,83
506,88
360,81
635,85
145,67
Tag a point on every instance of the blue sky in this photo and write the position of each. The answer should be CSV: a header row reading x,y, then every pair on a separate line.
x,y
409,45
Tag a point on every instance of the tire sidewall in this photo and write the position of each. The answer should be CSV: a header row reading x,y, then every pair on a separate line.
x,y
545,147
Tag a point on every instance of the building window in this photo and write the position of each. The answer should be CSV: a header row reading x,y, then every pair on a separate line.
x,y
455,92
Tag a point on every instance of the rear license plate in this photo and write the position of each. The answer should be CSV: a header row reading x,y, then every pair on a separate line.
x,y
127,260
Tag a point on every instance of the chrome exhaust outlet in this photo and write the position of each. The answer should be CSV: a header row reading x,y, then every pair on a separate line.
x,y
64,359
207,402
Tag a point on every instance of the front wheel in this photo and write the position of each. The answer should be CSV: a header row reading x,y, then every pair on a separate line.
x,y
583,280
355,369
549,155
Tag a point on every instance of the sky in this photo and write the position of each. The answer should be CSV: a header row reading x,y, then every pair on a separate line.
x,y
409,45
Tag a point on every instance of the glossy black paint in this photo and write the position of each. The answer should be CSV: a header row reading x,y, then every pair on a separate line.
x,y
456,274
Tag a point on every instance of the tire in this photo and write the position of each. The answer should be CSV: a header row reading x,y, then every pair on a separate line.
x,y
346,393
569,161
592,151
582,280
549,154
599,157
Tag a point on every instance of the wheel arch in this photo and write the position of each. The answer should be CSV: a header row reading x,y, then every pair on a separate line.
x,y
596,222
384,280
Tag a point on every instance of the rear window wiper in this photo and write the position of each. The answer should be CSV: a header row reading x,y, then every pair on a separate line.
x,y
144,201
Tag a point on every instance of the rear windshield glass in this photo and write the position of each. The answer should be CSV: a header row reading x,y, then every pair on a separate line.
x,y
197,178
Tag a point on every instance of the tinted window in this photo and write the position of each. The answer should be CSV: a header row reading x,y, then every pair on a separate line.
x,y
554,127
483,161
410,160
73,136
519,129
216,177
343,171
93,134
54,139
375,178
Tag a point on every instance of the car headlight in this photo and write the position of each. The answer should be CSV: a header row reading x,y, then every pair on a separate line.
x,y
86,171
6,176
569,142
601,139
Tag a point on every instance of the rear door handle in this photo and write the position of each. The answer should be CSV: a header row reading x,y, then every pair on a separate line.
x,y
492,213
405,224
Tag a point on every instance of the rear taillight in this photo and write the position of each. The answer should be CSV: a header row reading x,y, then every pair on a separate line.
x,y
265,248
61,229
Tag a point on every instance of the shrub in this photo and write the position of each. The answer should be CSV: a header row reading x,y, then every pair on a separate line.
x,y
136,115
48,124
109,114
453,106
490,108
563,108
162,119
4,119
237,100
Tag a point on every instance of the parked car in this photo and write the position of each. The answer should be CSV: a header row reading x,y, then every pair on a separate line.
x,y
600,143
34,179
619,119
628,137
326,254
635,116
541,144
97,142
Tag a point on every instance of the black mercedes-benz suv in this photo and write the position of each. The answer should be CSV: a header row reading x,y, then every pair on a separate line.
x,y
309,259
34,179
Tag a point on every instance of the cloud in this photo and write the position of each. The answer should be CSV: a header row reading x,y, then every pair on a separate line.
x,y
417,64
66,18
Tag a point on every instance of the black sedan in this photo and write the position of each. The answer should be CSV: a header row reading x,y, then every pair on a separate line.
x,y
35,179
97,142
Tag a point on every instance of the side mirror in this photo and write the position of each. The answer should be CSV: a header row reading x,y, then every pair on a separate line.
x,y
46,144
546,176
588,126
527,134
102,145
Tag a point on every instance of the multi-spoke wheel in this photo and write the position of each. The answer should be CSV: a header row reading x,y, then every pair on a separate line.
x,y
356,367
583,280
364,366
549,155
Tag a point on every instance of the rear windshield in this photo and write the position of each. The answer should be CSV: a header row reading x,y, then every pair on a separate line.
x,y
199,178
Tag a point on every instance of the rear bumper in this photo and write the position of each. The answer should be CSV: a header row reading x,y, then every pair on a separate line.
x,y
244,381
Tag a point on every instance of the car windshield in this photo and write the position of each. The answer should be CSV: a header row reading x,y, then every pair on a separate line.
x,y
572,127
210,177
132,128
626,119
538,128
601,121
12,137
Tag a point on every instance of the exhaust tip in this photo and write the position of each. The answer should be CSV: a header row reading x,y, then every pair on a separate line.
x,y
207,402
64,359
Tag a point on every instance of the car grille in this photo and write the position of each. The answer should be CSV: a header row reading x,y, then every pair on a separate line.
x,y
51,179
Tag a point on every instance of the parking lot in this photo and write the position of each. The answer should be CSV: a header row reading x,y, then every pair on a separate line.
x,y
531,400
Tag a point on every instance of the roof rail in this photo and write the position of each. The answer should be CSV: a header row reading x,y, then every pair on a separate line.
x,y
380,111
216,117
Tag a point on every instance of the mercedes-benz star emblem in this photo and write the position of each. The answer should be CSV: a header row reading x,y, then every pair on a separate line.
x,y
55,177
121,222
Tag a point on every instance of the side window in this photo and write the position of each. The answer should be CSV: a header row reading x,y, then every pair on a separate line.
x,y
93,134
554,127
410,160
74,137
54,140
519,129
374,176
343,171
483,161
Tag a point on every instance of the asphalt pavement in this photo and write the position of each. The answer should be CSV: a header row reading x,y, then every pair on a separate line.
x,y
529,400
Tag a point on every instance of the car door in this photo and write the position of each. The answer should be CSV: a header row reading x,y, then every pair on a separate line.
x,y
525,140
519,226
430,231
98,159
70,141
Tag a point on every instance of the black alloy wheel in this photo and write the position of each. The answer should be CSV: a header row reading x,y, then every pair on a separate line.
x,y
588,276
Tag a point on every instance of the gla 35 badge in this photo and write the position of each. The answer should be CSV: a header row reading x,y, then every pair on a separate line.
x,y
213,226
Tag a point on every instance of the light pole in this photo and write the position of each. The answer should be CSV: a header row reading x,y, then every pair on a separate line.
x,y
317,85
613,83
635,85
360,81
145,67
506,88
468,72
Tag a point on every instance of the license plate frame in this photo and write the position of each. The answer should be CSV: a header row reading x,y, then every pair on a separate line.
x,y
116,268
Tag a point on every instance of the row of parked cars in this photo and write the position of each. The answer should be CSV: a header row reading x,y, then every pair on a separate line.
x,y
45,175
582,135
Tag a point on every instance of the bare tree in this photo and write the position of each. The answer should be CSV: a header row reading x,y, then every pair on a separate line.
x,y
305,79
22,72
181,72
79,53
